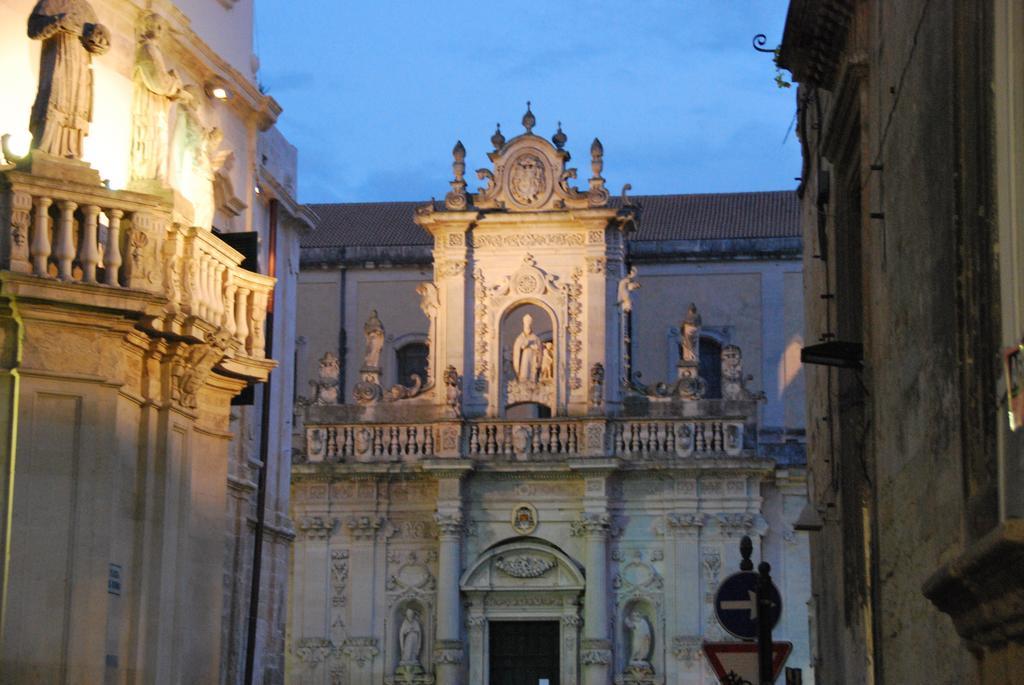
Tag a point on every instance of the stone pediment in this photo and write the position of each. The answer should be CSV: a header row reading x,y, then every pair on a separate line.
x,y
529,174
523,566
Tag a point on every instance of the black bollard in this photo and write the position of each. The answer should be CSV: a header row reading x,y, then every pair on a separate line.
x,y
764,628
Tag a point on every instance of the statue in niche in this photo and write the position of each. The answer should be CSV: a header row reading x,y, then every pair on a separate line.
x,y
374,331
627,285
547,362
526,353
453,391
62,110
639,641
689,339
326,386
155,88
410,639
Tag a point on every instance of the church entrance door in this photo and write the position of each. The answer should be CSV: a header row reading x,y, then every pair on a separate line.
x,y
524,652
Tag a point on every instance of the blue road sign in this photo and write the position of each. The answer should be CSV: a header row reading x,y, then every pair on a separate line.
x,y
736,605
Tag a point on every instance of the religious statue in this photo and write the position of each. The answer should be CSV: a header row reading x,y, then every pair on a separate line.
x,y
639,640
430,305
689,339
62,111
197,157
374,331
547,362
627,285
156,88
597,385
410,639
734,382
526,352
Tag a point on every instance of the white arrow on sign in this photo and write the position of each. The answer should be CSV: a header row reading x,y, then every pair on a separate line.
x,y
750,604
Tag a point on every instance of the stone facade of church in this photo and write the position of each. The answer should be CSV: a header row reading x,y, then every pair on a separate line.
x,y
596,422
129,323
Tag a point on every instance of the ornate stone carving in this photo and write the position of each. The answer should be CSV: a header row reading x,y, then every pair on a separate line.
x,y
595,652
410,638
449,524
575,328
598,194
315,527
325,387
191,368
430,305
451,267
678,521
481,344
640,642
524,566
529,240
361,650
596,265
411,574
590,524
313,650
364,527
62,110
373,330
448,652
339,576
627,284
456,198
687,647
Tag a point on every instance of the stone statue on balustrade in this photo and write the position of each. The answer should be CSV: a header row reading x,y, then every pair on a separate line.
x,y
627,285
410,640
373,329
156,89
734,382
689,336
326,386
196,156
526,353
71,35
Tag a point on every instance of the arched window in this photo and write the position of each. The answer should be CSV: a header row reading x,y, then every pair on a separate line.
x,y
711,366
412,359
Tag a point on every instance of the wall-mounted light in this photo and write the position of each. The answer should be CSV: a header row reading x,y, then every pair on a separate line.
x,y
16,146
256,189
217,88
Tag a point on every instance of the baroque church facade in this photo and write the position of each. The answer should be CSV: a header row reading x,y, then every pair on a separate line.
x,y
148,228
528,439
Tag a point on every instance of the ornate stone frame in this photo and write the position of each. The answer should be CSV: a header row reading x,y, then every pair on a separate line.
x,y
493,595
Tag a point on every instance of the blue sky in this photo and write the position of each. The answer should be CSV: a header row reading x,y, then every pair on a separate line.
x,y
375,93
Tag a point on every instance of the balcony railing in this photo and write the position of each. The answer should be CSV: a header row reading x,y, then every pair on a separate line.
x,y
124,240
536,440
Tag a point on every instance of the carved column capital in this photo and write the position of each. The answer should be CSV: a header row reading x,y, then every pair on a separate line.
x,y
449,525
591,525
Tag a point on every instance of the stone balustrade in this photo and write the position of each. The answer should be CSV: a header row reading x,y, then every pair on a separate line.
x,y
78,234
528,440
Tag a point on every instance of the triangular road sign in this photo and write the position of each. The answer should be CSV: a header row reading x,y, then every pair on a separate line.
x,y
736,662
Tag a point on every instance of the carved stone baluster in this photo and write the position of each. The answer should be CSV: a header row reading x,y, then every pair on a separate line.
x,y
41,237
88,245
346,444
112,252
474,439
242,318
21,217
428,441
222,278
64,247
228,320
204,285
259,316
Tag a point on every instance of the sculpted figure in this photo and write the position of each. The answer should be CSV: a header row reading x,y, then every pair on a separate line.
x,y
627,285
639,639
326,385
196,158
155,88
410,638
526,352
689,343
374,331
547,362
62,111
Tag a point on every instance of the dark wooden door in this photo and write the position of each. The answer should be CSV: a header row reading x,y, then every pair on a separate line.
x,y
523,652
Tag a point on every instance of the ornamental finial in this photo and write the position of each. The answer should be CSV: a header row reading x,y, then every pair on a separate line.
x,y
497,140
559,138
529,121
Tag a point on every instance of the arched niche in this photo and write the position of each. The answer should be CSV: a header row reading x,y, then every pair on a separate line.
x,y
530,354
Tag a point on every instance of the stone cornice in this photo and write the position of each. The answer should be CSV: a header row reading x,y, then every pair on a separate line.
x,y
983,589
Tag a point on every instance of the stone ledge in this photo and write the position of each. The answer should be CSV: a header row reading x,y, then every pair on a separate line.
x,y
983,589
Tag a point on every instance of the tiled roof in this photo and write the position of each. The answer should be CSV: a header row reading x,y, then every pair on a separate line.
x,y
721,216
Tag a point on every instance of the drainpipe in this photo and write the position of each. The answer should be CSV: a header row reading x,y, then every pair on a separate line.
x,y
261,481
